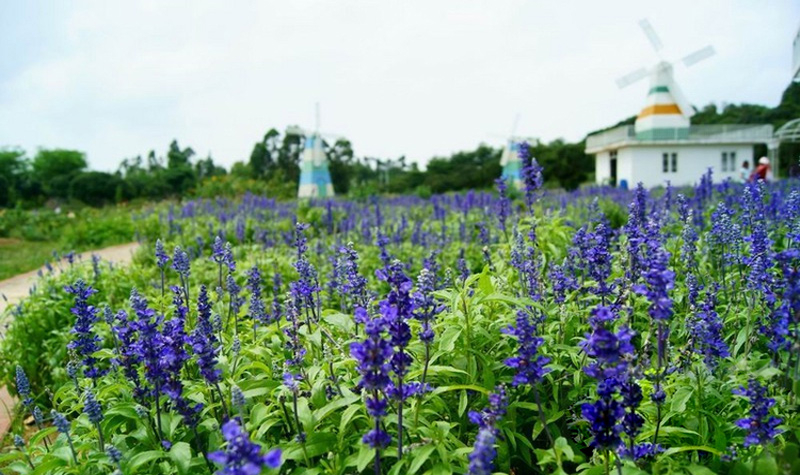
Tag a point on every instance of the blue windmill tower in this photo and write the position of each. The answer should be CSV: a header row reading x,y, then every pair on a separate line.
x,y
315,178
509,160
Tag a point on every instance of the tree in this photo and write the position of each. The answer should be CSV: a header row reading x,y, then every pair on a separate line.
x,y
56,168
95,188
340,159
264,156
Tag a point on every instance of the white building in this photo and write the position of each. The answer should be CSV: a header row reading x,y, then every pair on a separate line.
x,y
623,159
663,145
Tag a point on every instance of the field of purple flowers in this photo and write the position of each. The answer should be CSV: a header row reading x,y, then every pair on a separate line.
x,y
595,332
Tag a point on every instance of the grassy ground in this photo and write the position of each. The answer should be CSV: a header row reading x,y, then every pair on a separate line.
x,y
18,256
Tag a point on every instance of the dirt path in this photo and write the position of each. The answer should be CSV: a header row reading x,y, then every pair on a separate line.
x,y
16,289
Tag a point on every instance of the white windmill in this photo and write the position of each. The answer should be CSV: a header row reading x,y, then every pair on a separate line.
x,y
667,113
510,159
315,178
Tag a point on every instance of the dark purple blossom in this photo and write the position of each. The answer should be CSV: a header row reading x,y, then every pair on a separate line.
x,y
241,456
85,343
529,364
761,427
481,459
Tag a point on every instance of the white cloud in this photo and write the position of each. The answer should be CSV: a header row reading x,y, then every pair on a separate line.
x,y
415,78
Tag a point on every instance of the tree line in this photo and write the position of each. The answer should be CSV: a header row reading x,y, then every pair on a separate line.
x,y
273,166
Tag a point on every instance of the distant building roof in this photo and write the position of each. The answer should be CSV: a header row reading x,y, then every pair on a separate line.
x,y
625,136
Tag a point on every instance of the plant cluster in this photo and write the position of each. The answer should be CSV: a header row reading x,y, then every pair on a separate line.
x,y
465,333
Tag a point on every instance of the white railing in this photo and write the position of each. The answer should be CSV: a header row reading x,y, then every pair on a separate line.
x,y
712,133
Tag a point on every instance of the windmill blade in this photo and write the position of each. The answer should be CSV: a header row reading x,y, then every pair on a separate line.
x,y
683,104
631,78
516,123
651,34
699,55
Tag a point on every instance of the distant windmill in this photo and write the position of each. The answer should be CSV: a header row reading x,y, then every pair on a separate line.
x,y
509,160
667,109
315,178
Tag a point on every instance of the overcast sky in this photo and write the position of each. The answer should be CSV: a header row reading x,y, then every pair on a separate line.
x,y
416,77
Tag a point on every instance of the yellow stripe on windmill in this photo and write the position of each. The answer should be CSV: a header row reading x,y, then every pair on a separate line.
x,y
667,114
315,178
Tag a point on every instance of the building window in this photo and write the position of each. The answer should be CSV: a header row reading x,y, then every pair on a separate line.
x,y
674,163
732,162
724,161
665,163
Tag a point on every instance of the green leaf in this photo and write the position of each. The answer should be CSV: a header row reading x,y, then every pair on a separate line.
x,y
462,403
181,454
143,458
692,448
365,456
421,455
699,470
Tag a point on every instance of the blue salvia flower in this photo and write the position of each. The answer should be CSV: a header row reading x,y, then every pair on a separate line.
x,y
463,267
257,308
204,343
19,442
632,421
23,386
397,309
528,364
218,255
503,203
760,426
127,357
760,260
63,426
305,290
92,408
481,459
705,332
114,455
610,353
235,301
173,356
373,355
180,262
277,306
531,172
38,416
147,348
161,255
425,310
238,400
85,343
598,260
354,285
96,266
241,456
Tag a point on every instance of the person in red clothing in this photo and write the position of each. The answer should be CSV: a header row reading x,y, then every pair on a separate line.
x,y
762,170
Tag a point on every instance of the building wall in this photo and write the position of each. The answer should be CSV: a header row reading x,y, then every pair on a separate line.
x,y
645,164
602,168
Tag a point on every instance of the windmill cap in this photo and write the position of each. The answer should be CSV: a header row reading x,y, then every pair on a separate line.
x,y
763,161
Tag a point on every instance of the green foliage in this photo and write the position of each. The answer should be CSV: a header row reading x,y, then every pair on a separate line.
x,y
95,188
467,355
56,168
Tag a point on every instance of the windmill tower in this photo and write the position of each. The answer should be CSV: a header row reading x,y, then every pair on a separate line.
x,y
666,114
315,178
510,160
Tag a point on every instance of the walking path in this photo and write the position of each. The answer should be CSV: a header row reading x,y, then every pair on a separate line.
x,y
16,288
